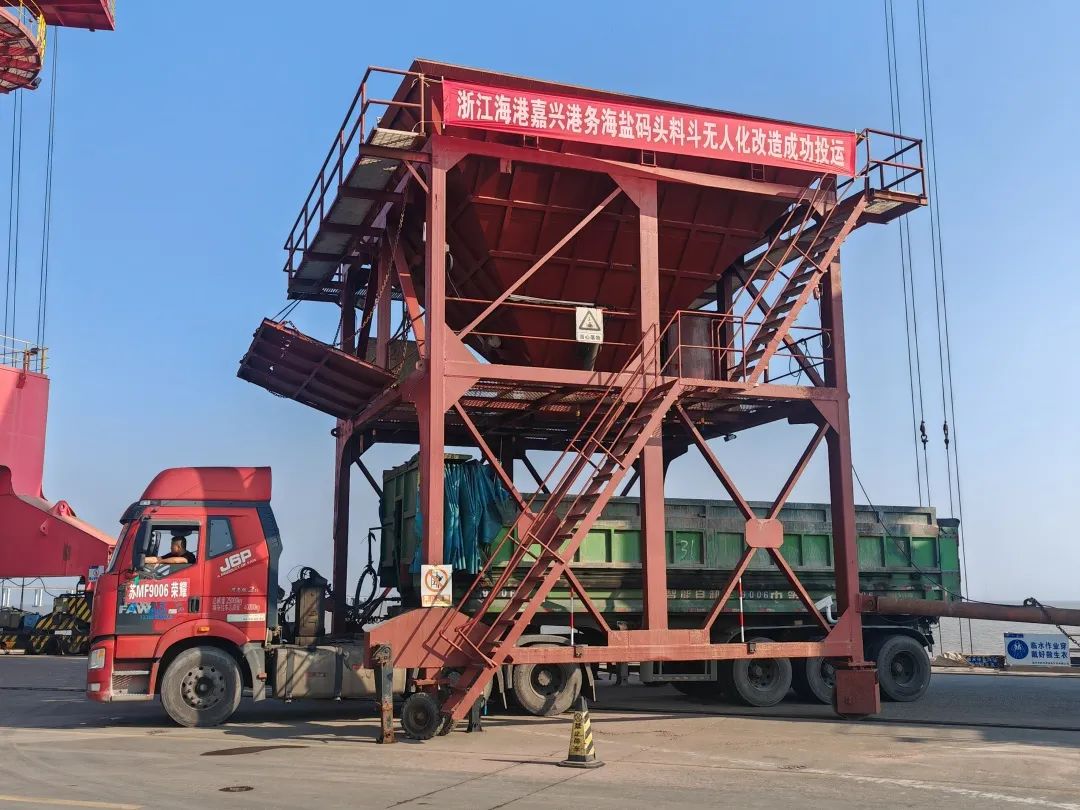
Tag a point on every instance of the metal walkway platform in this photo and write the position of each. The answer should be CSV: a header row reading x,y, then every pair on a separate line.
x,y
332,235
290,364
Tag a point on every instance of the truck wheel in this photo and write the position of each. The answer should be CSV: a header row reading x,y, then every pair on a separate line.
x,y
545,690
420,718
903,669
201,687
813,679
758,681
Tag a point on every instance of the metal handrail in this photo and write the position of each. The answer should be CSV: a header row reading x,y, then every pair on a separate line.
x,y
28,14
522,541
904,170
331,174
22,355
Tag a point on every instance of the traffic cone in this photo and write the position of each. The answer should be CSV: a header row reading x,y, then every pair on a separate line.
x,y
582,751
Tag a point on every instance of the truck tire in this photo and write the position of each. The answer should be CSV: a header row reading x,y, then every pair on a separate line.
x,y
545,690
420,718
903,669
813,679
757,682
201,687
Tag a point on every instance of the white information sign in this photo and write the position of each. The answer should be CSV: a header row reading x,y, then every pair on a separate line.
x,y
436,586
590,324
1036,650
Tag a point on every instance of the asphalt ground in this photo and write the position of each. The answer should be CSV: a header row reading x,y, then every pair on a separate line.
x,y
973,741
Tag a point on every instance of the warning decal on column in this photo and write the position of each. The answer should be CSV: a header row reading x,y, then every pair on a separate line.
x,y
436,588
590,324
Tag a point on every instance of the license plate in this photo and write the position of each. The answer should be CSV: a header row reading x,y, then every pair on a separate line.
x,y
62,633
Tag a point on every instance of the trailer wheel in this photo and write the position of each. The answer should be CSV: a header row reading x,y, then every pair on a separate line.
x,y
201,687
420,718
813,679
903,669
757,681
545,690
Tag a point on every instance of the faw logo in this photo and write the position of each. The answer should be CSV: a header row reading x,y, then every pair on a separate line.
x,y
236,561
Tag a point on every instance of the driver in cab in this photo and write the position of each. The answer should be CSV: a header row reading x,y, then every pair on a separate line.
x,y
178,554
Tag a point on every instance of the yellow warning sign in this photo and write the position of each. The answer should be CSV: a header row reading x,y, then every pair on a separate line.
x,y
590,324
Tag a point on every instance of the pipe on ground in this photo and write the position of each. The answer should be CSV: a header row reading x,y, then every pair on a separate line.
x,y
1029,614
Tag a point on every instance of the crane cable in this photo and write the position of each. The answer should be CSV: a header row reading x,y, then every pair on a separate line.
x,y
948,400
911,317
11,277
46,220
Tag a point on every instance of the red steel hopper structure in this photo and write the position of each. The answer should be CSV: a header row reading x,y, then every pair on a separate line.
x,y
506,218
23,25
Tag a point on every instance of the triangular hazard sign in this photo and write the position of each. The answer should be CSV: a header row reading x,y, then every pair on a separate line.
x,y
588,322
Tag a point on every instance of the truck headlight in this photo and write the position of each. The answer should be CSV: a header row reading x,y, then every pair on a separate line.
x,y
96,659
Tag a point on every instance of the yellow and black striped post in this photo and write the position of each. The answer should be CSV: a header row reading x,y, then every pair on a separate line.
x,y
582,750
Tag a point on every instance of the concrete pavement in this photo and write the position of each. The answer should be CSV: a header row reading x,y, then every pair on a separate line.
x,y
1005,742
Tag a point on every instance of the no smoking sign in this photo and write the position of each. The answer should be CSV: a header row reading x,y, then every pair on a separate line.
x,y
436,586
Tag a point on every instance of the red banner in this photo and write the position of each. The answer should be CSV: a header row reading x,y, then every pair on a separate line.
x,y
615,123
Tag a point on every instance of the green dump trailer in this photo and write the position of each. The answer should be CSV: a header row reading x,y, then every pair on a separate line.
x,y
904,551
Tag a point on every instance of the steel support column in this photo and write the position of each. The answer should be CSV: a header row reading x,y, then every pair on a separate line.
x,y
651,462
382,312
343,458
431,405
856,684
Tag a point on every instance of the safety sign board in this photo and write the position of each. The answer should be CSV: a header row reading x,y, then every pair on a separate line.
x,y
1036,650
436,586
590,324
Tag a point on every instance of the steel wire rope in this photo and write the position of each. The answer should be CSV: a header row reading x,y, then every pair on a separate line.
x,y
11,278
914,364
944,356
46,220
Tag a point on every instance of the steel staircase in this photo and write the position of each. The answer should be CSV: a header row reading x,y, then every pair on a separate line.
x,y
809,241
620,428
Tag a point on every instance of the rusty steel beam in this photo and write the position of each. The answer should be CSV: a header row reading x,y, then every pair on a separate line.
x,y
663,646
540,262
715,464
796,473
1024,614
491,457
564,160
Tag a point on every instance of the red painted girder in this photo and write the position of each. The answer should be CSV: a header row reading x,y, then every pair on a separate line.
x,y
671,645
20,54
42,539
24,407
96,15
1025,614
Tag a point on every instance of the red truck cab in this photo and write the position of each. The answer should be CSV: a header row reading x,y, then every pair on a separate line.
x,y
188,601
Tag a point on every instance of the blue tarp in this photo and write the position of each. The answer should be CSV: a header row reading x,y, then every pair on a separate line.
x,y
471,516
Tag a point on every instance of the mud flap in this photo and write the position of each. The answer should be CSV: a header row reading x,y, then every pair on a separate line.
x,y
255,656
589,687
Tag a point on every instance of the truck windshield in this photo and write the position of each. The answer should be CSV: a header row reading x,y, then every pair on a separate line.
x,y
115,554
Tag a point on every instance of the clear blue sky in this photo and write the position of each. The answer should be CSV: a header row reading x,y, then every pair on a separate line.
x,y
187,139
